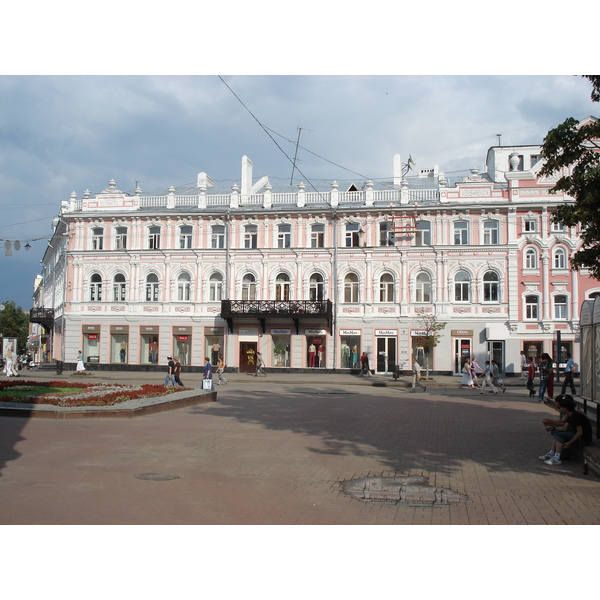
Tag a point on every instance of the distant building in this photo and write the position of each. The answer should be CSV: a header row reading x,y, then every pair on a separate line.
x,y
311,278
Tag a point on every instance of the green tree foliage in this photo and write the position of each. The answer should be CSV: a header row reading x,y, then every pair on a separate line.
x,y
572,144
14,323
431,327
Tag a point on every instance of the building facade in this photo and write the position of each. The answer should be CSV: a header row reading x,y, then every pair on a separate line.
x,y
312,278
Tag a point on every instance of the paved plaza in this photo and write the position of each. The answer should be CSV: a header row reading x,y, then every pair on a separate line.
x,y
279,450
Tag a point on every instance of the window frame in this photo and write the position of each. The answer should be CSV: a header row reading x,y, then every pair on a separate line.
x,y
95,287
532,309
97,238
462,287
186,233
491,234
152,287
491,288
460,234
423,288
386,288
351,288
119,288
154,234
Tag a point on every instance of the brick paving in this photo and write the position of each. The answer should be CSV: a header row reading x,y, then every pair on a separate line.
x,y
276,450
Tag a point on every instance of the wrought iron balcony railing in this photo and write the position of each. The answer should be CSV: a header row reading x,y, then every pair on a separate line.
x,y
262,309
43,316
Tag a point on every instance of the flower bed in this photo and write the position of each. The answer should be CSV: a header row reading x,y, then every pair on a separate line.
x,y
90,394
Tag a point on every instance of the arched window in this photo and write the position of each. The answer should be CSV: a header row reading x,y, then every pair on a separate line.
x,y
560,307
560,258
183,287
282,287
216,287
95,288
119,290
386,288
423,288
491,287
531,259
152,288
316,288
461,233
248,287
462,287
351,288
423,233
491,233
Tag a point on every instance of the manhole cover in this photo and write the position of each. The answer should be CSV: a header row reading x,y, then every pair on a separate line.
x,y
412,491
156,476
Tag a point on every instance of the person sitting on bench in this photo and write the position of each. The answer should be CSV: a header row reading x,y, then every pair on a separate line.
x,y
576,427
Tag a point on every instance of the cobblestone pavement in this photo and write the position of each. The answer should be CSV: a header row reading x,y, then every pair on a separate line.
x,y
276,450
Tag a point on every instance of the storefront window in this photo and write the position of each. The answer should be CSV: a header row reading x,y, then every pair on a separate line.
x,y
315,345
213,348
149,348
182,348
91,347
119,347
280,344
350,349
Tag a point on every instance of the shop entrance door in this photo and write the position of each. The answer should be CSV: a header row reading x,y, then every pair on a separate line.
x,y
462,351
386,354
248,357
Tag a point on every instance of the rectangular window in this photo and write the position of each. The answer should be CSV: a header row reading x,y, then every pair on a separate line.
x,y
461,233
386,235
250,236
284,236
560,307
423,234
531,307
490,233
121,238
529,225
154,238
352,235
557,227
97,238
218,236
317,236
185,237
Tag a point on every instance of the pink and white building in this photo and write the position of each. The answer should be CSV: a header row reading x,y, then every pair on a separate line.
x,y
311,278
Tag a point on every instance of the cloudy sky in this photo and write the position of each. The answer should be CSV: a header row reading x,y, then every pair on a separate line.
x,y
82,124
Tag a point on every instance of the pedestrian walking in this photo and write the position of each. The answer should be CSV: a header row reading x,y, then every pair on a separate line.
x,y
80,366
569,372
545,370
467,376
364,365
170,377
530,376
523,365
221,370
496,376
475,370
177,371
207,377
416,369
260,365
487,378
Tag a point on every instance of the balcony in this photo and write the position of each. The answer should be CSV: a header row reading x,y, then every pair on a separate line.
x,y
296,310
43,316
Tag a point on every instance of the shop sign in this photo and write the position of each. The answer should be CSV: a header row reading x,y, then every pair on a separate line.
x,y
187,330
119,328
418,333
183,338
91,328
149,329
315,332
462,332
386,332
281,332
317,340
92,336
349,331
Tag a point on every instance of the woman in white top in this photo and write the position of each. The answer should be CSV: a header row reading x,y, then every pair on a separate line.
x,y
467,378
